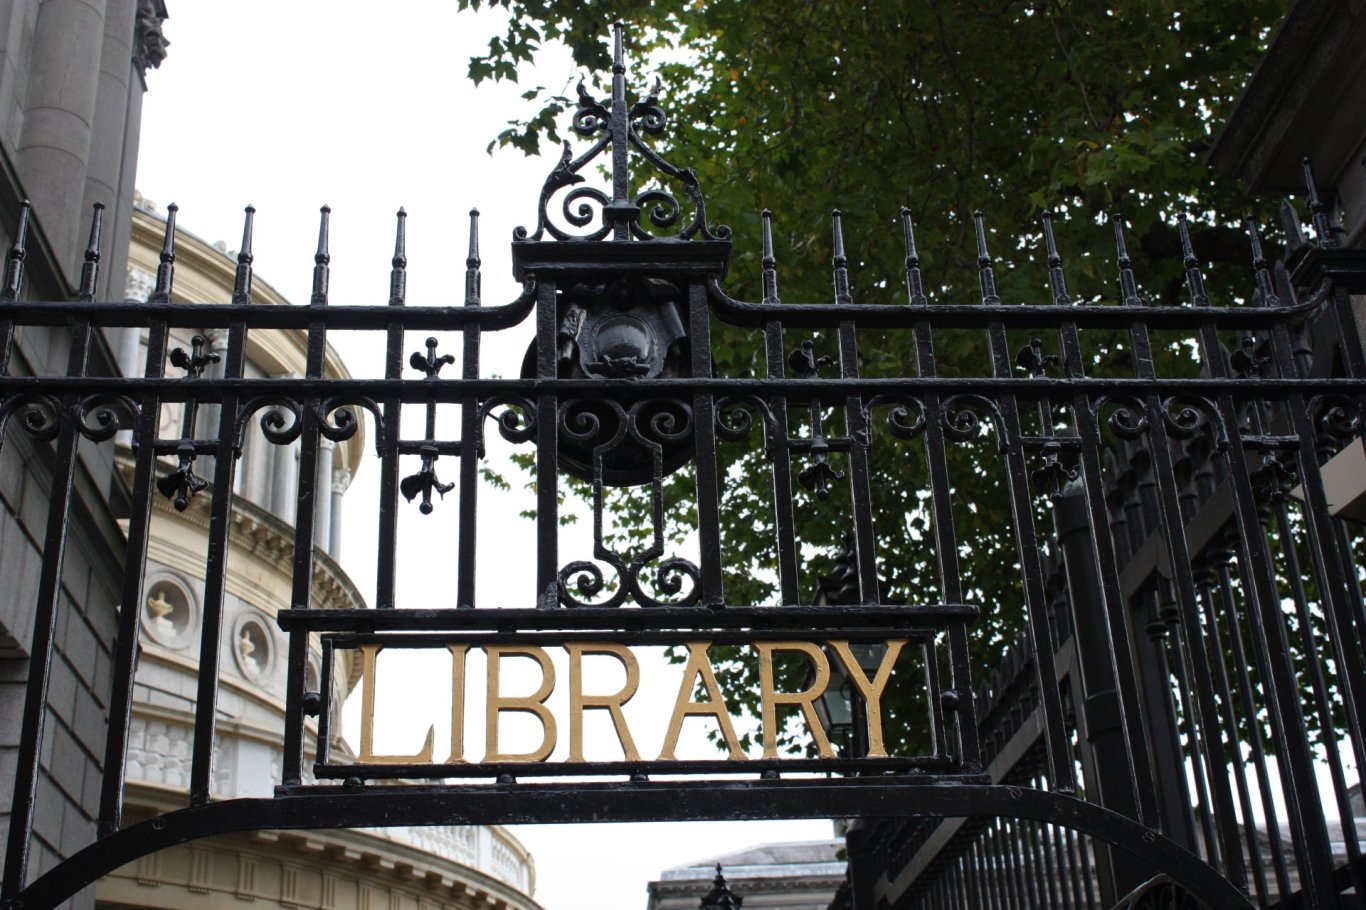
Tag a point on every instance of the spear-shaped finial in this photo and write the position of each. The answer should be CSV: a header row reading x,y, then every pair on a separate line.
x,y
241,287
1195,279
161,293
984,269
1057,281
398,275
321,260
1265,284
1128,287
915,286
472,263
618,48
769,263
14,265
839,261
1318,210
90,269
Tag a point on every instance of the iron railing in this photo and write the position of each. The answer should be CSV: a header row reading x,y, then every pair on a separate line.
x,y
620,386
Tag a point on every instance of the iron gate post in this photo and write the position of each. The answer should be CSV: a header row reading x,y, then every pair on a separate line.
x,y
1101,741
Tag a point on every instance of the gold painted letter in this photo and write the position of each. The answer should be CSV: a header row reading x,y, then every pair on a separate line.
x,y
699,667
806,699
369,683
458,653
533,704
871,691
578,701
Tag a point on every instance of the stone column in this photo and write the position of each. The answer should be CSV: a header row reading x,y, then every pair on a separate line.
x,y
54,147
341,480
285,474
322,497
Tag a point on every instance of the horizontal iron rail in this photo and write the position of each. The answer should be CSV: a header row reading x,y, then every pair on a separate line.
x,y
660,618
916,766
452,318
451,391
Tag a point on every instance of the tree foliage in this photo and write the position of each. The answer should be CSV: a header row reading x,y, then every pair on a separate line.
x,y
1013,107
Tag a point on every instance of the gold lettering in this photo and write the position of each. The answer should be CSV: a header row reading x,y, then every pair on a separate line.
x,y
369,682
770,698
699,667
458,653
578,701
871,691
533,704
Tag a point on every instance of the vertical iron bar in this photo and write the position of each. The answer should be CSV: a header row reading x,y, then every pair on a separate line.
x,y
945,536
856,423
216,563
547,449
704,422
49,587
471,446
301,592
776,363
387,555
135,557
1061,773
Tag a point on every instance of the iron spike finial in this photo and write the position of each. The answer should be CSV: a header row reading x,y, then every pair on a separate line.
x,y
241,292
769,263
1195,279
90,268
166,269
840,261
1318,209
14,265
915,287
398,279
472,263
1128,286
985,271
1265,284
321,259
1057,281
618,48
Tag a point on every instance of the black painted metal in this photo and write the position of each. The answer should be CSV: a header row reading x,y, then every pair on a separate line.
x,y
1174,598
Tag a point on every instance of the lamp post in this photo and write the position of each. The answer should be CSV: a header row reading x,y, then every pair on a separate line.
x,y
720,897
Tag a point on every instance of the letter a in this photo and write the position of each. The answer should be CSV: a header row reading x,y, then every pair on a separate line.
x,y
699,667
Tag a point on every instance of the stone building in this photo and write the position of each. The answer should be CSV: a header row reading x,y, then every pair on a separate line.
x,y
788,876
72,75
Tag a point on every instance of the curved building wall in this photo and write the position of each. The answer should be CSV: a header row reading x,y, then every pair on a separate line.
x,y
373,869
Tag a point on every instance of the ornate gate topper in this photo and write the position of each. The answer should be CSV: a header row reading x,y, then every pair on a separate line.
x,y
619,387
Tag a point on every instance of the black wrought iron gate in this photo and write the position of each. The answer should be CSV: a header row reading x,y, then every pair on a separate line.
x,y
621,387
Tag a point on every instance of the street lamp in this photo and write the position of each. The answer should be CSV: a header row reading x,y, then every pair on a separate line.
x,y
720,896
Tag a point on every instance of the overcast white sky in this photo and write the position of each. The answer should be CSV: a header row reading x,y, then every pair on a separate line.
x,y
365,107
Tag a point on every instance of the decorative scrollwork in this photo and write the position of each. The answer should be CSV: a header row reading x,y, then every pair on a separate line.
x,y
1186,416
735,417
40,415
338,422
581,580
905,417
668,581
1129,420
1337,417
621,127
962,423
281,420
99,417
516,421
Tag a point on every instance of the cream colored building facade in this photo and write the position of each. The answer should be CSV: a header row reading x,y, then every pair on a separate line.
x,y
447,868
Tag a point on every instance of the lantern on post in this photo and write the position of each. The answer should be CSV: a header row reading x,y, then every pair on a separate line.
x,y
720,897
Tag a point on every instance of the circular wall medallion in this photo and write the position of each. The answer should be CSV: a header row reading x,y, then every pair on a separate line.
x,y
253,646
169,612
